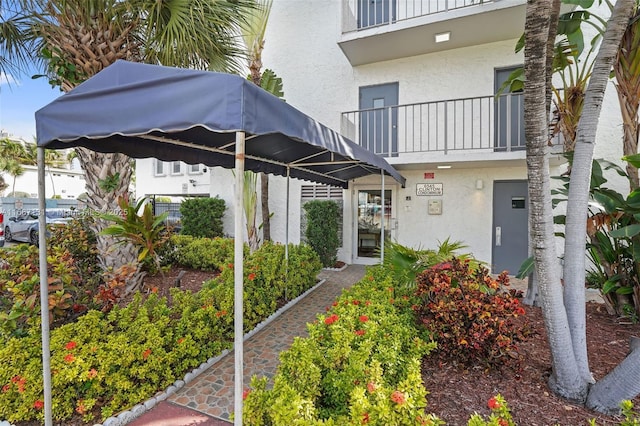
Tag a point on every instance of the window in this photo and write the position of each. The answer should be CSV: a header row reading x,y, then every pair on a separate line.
x,y
194,169
176,168
159,168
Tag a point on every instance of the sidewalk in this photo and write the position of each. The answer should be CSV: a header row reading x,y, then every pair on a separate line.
x,y
208,399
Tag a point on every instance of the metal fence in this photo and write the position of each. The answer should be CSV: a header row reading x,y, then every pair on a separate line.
x,y
485,123
363,14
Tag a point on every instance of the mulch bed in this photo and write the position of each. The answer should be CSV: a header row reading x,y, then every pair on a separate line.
x,y
456,392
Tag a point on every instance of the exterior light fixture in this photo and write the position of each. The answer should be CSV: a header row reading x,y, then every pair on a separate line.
x,y
444,166
479,184
443,37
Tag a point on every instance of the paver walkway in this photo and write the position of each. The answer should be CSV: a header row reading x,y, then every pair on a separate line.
x,y
209,397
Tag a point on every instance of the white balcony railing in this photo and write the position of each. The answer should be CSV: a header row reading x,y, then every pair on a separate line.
x,y
488,123
362,14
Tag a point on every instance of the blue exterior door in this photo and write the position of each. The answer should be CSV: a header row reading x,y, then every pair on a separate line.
x,y
509,115
379,119
510,225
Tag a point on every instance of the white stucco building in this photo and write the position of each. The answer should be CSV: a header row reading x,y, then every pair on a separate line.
x,y
413,81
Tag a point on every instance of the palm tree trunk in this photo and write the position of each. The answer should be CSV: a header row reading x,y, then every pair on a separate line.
x,y
577,204
264,201
565,379
621,384
97,167
628,89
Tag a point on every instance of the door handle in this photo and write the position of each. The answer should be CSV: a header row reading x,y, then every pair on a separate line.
x,y
498,236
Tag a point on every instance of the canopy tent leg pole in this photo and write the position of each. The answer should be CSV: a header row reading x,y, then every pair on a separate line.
x,y
286,238
238,281
382,214
44,289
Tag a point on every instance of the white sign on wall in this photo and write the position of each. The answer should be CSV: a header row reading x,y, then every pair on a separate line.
x,y
429,189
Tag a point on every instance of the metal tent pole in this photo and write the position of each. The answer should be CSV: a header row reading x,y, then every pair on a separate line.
x,y
382,221
286,237
238,281
44,289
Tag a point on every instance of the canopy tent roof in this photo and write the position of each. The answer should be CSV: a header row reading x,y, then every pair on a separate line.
x,y
177,114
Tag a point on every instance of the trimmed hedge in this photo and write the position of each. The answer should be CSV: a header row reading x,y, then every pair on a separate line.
x,y
360,364
116,360
202,217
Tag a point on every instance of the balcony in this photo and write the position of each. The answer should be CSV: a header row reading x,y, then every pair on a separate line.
x,y
380,30
475,131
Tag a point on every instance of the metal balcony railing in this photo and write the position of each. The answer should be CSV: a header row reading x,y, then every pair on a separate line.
x,y
488,123
363,14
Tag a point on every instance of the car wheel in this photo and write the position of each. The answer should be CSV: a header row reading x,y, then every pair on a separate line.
x,y
7,235
33,238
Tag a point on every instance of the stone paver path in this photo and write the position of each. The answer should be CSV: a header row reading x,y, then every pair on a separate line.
x,y
212,392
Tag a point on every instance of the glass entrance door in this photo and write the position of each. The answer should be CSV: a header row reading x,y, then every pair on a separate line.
x,y
372,210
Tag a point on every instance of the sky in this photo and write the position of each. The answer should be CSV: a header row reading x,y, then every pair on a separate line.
x,y
20,97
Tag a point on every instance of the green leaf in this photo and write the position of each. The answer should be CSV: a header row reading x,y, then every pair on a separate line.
x,y
624,290
633,159
626,232
520,44
597,176
609,286
272,83
585,4
526,268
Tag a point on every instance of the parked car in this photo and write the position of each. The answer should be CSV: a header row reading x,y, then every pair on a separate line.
x,y
25,226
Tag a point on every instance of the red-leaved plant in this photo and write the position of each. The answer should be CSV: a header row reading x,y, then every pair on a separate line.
x,y
469,315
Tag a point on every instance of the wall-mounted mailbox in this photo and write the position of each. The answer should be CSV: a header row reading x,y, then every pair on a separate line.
x,y
434,207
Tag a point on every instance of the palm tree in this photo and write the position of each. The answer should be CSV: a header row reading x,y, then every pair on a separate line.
x,y
13,155
13,167
627,71
564,309
15,50
78,38
253,35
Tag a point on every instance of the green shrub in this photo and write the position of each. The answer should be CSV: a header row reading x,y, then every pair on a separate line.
x,y
78,238
202,217
322,229
464,310
20,289
360,364
267,279
207,254
500,414
116,360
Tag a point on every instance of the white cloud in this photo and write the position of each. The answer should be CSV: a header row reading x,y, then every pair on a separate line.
x,y
8,79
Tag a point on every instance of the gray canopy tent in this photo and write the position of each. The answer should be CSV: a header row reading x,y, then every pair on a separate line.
x,y
193,116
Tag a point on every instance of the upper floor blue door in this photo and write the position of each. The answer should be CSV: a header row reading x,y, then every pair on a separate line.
x,y
508,115
379,119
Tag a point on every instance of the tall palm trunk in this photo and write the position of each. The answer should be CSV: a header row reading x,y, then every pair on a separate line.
x,y
627,72
101,197
564,311
565,379
577,203
253,34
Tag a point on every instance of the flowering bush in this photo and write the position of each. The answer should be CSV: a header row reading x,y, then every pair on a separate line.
x,y
468,315
359,365
268,280
106,362
500,414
